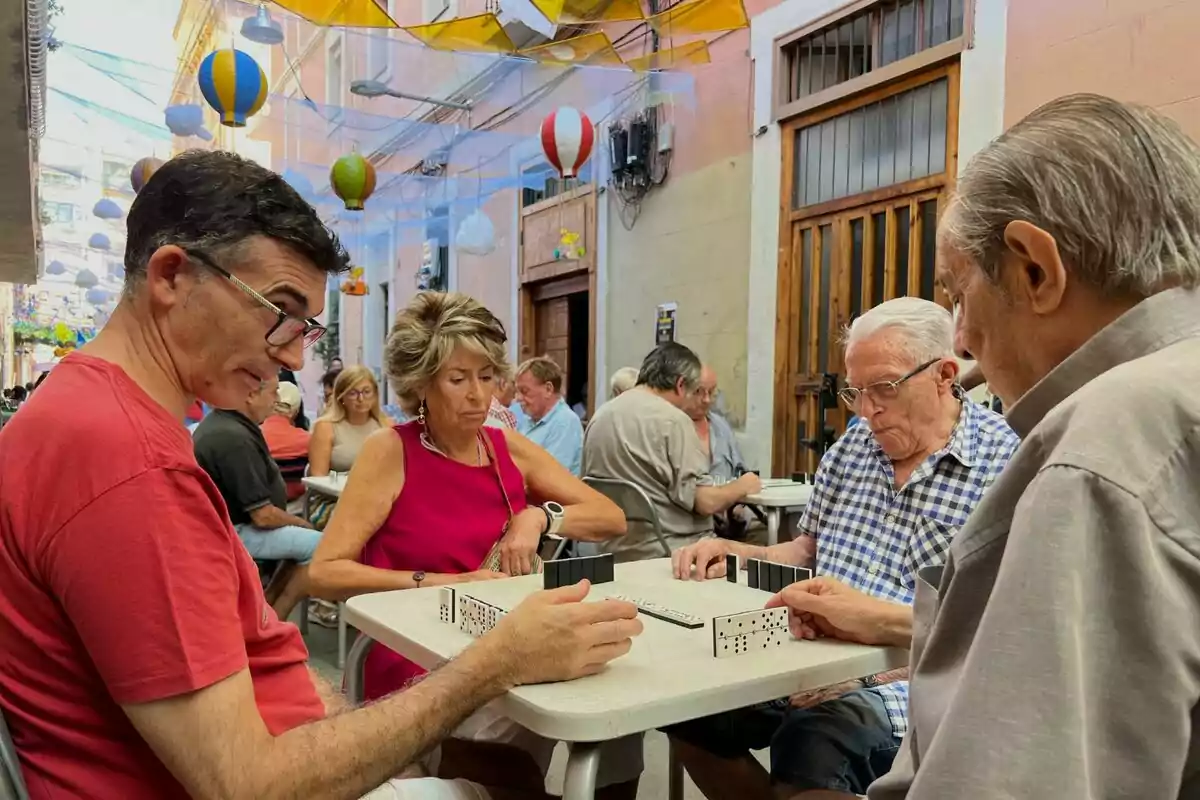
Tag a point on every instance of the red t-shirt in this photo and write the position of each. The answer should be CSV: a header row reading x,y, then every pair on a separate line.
x,y
121,581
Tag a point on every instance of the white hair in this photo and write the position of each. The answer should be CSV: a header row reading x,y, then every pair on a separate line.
x,y
1116,185
622,380
926,329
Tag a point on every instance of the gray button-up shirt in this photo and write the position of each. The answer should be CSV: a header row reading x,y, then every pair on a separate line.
x,y
1057,654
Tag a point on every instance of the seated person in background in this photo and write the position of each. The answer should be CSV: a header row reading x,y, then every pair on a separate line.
x,y
230,447
622,381
352,415
645,438
717,440
499,416
301,419
887,500
549,422
288,444
506,396
327,382
138,658
429,502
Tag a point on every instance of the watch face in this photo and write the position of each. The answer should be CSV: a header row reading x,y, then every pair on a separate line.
x,y
419,576
554,508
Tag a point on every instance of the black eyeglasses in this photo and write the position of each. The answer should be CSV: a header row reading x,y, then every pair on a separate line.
x,y
880,392
286,328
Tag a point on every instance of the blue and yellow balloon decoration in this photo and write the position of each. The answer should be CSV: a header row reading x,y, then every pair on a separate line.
x,y
233,84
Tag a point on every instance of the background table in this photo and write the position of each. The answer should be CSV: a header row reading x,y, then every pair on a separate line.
x,y
774,498
331,486
669,676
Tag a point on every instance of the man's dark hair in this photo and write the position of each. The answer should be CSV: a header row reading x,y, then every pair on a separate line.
x,y
212,201
666,364
330,378
19,393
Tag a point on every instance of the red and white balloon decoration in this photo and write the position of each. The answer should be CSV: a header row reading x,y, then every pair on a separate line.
x,y
567,139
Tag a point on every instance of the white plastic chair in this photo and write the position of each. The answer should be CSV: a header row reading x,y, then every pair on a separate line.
x,y
12,785
634,501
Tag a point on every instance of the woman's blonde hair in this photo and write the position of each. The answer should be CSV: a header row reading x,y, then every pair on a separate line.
x,y
427,332
347,379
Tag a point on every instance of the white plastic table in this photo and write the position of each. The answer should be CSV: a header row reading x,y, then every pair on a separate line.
x,y
326,484
669,676
774,498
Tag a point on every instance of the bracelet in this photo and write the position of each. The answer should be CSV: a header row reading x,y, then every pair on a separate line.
x,y
549,521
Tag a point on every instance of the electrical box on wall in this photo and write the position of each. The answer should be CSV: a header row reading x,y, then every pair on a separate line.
x,y
431,273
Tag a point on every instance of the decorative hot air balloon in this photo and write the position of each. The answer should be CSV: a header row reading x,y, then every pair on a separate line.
x,y
98,241
233,84
86,279
55,268
567,138
142,170
353,180
106,209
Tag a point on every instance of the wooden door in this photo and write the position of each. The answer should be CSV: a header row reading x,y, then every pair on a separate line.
x,y
844,250
553,330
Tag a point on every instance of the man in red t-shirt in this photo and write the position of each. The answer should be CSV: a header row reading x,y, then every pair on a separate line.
x,y
138,658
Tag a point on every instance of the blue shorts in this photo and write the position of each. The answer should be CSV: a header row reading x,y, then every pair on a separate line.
x,y
288,543
841,745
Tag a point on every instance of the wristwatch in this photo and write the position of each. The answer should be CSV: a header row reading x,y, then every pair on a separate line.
x,y
554,516
869,682
419,576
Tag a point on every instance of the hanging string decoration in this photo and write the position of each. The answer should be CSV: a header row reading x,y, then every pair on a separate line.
x,y
142,171
567,139
106,209
353,180
233,84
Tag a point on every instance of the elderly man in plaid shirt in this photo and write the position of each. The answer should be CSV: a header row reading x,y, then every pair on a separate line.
x,y
889,497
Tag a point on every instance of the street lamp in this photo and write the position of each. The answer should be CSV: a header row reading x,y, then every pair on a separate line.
x,y
366,88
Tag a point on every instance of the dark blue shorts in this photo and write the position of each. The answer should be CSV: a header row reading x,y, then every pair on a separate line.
x,y
842,745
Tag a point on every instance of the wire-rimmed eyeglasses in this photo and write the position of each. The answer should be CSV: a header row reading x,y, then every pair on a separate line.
x,y
287,328
881,391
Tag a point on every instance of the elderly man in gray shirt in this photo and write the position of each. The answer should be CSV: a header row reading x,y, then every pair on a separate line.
x,y
1057,653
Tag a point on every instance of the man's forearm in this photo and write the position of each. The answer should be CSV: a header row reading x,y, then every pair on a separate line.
x,y
895,624
335,702
347,755
271,517
715,499
798,552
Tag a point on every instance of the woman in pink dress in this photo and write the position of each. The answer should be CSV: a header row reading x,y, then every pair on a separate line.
x,y
427,501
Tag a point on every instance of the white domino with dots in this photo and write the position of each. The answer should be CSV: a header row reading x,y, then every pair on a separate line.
x,y
447,604
476,617
749,632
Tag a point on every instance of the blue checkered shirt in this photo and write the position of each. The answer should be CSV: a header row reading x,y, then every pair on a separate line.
x,y
875,538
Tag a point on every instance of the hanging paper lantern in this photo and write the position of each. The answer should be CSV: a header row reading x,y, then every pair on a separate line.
x,y
98,241
186,119
355,286
86,279
62,333
142,171
233,84
353,180
567,138
106,209
96,296
55,268
476,235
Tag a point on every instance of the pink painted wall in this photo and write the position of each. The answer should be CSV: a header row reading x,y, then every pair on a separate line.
x,y
1136,50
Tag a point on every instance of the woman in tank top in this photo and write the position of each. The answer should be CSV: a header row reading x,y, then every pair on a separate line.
x,y
353,414
428,500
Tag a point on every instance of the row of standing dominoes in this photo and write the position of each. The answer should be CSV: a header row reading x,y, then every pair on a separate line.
x,y
570,571
474,617
663,613
766,575
749,631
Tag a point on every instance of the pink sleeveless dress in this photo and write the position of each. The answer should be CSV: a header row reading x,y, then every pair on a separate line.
x,y
446,519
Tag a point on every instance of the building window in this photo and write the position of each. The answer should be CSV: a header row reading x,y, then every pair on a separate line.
x,y
865,41
541,182
895,140
435,11
379,50
114,175
58,212
62,179
335,80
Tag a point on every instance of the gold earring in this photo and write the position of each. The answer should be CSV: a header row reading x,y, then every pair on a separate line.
x,y
421,414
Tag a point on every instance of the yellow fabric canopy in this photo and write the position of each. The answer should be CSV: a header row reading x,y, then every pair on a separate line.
x,y
478,34
682,56
701,16
590,48
340,13
576,12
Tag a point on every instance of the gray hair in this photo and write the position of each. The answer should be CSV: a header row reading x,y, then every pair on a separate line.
x,y
622,380
1116,185
666,364
926,329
